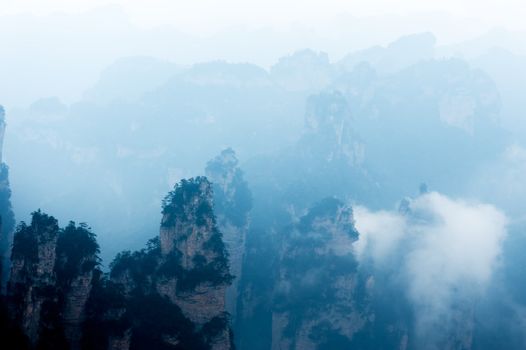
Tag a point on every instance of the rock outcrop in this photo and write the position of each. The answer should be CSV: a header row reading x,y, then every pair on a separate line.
x,y
173,292
169,295
232,205
77,259
7,217
51,276
317,303
329,132
32,272
189,234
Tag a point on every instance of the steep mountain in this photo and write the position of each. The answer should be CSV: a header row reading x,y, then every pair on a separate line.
x,y
191,237
400,54
170,295
326,161
51,278
7,217
232,204
437,113
115,147
317,302
329,148
304,70
146,113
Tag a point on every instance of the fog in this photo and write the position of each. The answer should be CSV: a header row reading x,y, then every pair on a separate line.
x,y
110,104
44,44
447,250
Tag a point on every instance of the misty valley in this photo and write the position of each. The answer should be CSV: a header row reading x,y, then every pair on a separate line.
x,y
370,202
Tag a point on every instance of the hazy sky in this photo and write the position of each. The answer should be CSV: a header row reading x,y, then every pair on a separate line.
x,y
59,47
199,15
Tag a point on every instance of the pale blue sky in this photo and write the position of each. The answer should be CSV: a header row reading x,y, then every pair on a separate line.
x,y
199,15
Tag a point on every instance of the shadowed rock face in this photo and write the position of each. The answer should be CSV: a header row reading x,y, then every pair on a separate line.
x,y
329,133
189,231
316,295
184,270
7,217
32,272
77,259
51,277
232,205
170,294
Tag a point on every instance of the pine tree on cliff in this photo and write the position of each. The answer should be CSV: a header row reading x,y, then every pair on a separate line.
x,y
170,295
51,279
232,197
315,300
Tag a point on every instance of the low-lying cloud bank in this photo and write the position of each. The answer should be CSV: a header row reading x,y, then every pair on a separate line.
x,y
445,251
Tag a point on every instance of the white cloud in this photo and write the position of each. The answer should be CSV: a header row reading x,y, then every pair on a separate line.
x,y
459,244
380,232
447,250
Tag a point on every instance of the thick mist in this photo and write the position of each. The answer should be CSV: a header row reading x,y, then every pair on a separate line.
x,y
325,133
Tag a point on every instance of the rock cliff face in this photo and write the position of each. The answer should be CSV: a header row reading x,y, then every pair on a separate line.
x,y
189,233
75,267
32,272
327,161
328,130
173,292
51,275
317,301
232,204
7,218
169,295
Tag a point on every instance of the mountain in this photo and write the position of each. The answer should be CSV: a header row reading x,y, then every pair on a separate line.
x,y
316,302
51,278
7,217
170,295
399,54
232,204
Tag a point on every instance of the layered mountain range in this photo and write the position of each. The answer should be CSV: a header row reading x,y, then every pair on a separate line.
x,y
168,295
291,248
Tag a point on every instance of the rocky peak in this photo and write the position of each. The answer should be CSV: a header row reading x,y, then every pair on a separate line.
x,y
327,112
329,216
232,198
189,234
7,217
32,273
304,70
51,279
316,296
34,250
188,225
77,258
232,204
222,170
328,129
184,270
